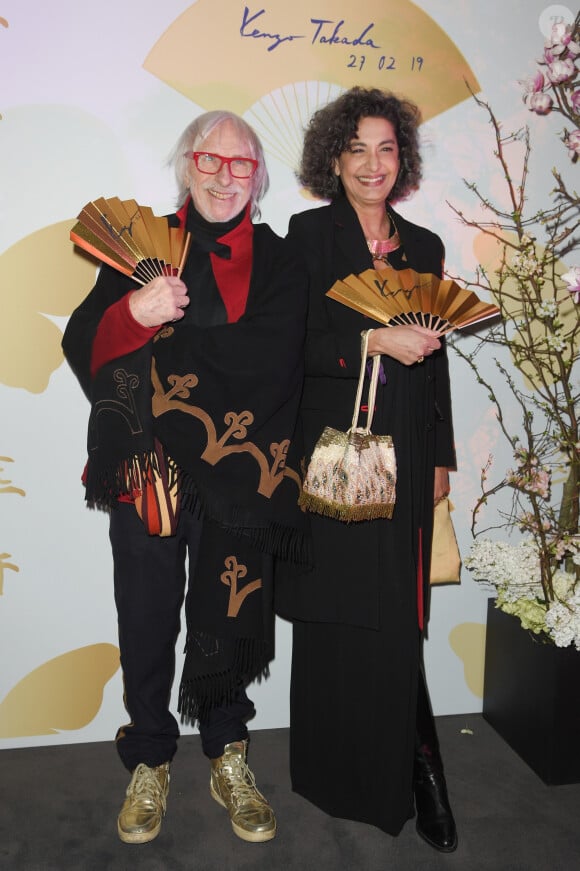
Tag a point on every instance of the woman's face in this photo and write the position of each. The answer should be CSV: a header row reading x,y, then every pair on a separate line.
x,y
369,166
220,197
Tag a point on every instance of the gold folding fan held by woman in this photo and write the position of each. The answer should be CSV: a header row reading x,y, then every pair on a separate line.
x,y
404,296
131,239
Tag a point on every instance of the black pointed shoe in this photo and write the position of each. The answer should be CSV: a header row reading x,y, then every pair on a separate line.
x,y
435,823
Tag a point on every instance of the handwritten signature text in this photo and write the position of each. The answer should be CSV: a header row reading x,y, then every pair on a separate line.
x,y
325,32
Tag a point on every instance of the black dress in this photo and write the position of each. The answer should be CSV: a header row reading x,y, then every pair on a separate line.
x,y
357,615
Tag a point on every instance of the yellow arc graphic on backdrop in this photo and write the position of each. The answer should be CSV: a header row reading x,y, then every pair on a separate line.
x,y
278,63
30,348
467,641
490,253
63,693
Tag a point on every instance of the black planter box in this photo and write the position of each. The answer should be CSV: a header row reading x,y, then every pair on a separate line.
x,y
532,697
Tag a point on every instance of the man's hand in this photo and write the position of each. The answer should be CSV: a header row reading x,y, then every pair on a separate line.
x,y
159,302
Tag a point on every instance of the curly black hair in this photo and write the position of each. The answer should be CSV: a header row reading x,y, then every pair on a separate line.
x,y
332,128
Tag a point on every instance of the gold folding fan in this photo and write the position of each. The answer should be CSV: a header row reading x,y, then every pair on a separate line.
x,y
130,238
404,296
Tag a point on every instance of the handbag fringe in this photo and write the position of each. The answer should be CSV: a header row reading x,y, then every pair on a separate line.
x,y
341,511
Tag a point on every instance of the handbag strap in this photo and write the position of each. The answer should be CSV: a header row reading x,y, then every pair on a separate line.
x,y
372,394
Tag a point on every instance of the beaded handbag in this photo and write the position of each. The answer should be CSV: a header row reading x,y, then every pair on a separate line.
x,y
352,475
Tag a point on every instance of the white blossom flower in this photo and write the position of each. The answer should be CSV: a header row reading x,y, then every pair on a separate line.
x,y
514,571
563,615
548,309
556,342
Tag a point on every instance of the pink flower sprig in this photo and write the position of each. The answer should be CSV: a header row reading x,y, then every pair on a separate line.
x,y
535,96
572,278
561,70
561,41
572,143
554,88
529,476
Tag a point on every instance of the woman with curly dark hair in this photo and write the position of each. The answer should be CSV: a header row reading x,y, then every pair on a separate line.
x,y
363,739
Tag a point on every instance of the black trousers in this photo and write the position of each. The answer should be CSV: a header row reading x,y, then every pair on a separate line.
x,y
150,578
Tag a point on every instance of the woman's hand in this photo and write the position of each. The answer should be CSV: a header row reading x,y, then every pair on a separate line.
x,y
407,344
160,301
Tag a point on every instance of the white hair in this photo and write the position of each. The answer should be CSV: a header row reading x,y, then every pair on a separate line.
x,y
192,139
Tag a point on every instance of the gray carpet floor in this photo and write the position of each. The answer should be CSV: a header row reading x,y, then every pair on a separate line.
x,y
58,808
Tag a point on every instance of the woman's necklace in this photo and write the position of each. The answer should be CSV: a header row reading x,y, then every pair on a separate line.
x,y
381,248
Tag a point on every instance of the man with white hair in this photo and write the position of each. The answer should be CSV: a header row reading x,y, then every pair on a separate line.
x,y
194,383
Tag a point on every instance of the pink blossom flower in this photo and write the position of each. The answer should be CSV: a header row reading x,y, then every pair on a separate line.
x,y
560,42
572,142
561,70
534,96
548,57
575,100
560,36
572,278
533,84
541,104
530,477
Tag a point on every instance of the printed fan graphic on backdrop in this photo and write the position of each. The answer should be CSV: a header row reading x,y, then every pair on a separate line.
x,y
488,253
64,693
66,278
6,488
467,640
385,43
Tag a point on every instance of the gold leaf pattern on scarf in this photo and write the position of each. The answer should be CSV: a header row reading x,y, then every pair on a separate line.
x,y
236,571
218,447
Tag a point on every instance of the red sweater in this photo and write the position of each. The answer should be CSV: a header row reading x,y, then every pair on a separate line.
x,y
119,333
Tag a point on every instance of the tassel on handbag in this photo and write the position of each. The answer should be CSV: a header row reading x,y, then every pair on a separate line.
x,y
352,475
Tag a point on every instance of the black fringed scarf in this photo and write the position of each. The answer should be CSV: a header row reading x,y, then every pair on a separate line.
x,y
222,400
230,638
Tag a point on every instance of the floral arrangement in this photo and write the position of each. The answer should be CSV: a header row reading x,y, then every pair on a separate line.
x,y
554,89
535,346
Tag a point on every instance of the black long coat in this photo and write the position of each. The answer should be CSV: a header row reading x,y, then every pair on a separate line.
x,y
413,406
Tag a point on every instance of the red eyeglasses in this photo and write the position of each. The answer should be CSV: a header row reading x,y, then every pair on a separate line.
x,y
239,167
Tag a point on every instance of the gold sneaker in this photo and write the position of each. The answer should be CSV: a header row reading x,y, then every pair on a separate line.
x,y
233,785
144,806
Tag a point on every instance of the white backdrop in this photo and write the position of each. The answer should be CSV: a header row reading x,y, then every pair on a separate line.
x,y
81,118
